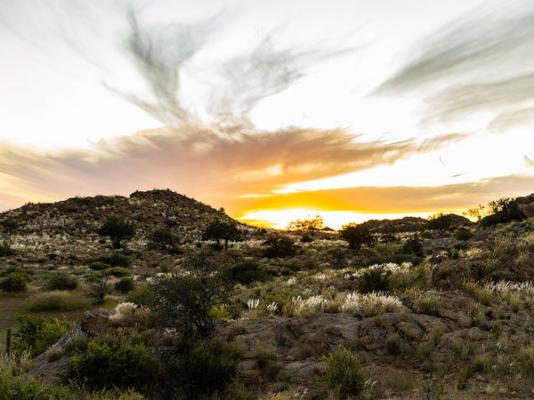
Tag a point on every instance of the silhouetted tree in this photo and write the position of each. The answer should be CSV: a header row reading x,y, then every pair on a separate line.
x,y
306,225
117,231
220,230
356,235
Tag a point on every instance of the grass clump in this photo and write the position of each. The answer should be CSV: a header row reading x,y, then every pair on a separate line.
x,y
14,281
345,374
61,281
428,303
125,285
57,302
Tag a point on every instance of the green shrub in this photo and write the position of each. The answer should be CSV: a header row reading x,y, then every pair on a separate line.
x,y
142,295
61,281
463,234
58,301
202,371
373,280
356,235
113,361
118,271
413,246
345,373
245,273
36,334
98,265
185,300
14,281
115,260
279,246
125,285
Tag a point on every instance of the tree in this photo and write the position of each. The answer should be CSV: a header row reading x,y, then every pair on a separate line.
x,y
117,231
220,230
184,300
306,225
356,235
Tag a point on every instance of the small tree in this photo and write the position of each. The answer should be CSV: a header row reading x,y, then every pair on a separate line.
x,y
306,225
185,300
356,235
117,231
220,230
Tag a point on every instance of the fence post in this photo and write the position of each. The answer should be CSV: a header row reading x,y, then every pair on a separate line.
x,y
8,341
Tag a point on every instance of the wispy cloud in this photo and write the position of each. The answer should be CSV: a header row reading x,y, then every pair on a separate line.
x,y
481,62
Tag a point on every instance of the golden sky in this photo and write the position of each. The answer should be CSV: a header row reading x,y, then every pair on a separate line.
x,y
274,110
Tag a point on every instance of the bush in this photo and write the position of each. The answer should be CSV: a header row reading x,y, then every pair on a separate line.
x,y
115,260
428,303
14,281
413,246
345,373
163,239
142,295
98,265
463,234
58,301
373,280
185,300
202,371
245,273
61,281
118,271
113,361
279,246
125,285
6,250
36,334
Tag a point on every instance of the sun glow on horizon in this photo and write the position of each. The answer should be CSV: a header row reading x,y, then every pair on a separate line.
x,y
279,219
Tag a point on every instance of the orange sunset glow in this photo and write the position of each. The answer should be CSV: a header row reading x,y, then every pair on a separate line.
x,y
380,110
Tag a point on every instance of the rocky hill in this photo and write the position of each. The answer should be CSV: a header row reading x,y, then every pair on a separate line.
x,y
71,226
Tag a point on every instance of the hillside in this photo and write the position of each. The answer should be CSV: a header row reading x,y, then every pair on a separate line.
x,y
440,310
70,226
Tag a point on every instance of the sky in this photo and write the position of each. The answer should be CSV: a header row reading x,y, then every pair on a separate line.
x,y
274,110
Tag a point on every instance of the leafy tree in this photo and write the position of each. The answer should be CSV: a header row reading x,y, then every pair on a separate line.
x,y
307,225
184,300
279,246
220,230
117,230
356,235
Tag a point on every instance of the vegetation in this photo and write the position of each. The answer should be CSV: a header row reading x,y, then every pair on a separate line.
x,y
36,334
117,231
220,230
356,236
345,374
429,308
